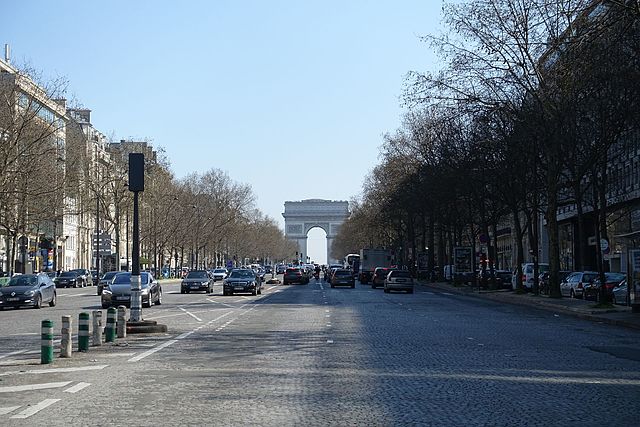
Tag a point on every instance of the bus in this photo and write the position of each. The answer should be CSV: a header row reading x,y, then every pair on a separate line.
x,y
352,262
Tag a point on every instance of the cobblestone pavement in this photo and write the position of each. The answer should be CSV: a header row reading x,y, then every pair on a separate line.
x,y
311,355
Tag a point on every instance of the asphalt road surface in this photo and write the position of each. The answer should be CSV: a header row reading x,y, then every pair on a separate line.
x,y
312,355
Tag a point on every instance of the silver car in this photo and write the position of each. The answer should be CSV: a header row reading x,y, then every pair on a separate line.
x,y
573,285
398,280
28,290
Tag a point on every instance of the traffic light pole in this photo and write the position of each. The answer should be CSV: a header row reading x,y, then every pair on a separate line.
x,y
136,298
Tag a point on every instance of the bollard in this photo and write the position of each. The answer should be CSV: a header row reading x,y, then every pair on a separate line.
x,y
97,327
83,332
122,321
65,342
46,342
110,330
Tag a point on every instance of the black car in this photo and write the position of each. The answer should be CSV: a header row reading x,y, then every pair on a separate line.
x,y
118,292
28,290
197,280
105,280
343,277
70,279
294,275
242,280
612,280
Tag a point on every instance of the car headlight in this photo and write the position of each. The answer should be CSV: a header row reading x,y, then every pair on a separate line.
x,y
106,290
30,293
145,291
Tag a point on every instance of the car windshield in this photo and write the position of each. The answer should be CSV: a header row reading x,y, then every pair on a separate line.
x,y
400,274
242,274
615,276
343,273
68,274
219,270
125,278
23,280
109,275
197,275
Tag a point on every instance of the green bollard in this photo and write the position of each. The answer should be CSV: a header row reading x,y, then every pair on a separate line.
x,y
46,342
83,332
110,329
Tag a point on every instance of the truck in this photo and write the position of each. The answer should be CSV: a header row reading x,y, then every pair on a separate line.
x,y
369,260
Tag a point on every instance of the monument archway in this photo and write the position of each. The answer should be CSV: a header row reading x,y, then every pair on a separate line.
x,y
302,216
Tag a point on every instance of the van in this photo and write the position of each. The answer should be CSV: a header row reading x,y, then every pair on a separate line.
x,y
527,275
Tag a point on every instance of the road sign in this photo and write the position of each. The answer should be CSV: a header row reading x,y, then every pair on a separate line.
x,y
604,245
484,239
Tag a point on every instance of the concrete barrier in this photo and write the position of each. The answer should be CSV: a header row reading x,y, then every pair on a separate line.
x,y
97,328
122,321
110,329
65,342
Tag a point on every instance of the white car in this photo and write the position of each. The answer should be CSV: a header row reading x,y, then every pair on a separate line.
x,y
219,274
527,275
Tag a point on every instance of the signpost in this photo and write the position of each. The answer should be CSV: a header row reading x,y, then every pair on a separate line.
x,y
136,184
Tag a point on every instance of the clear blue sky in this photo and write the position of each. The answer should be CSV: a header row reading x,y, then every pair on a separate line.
x,y
291,97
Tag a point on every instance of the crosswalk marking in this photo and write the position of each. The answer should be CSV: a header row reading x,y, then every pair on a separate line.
x,y
76,388
8,409
36,408
29,387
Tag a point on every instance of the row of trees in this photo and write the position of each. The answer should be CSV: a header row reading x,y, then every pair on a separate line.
x,y
536,101
56,167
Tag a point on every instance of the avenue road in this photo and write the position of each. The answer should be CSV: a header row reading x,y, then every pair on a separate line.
x,y
312,355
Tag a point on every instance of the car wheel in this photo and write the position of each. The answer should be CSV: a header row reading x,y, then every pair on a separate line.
x,y
52,303
373,286
260,291
159,300
148,304
353,286
386,291
105,305
254,292
182,291
572,294
333,286
409,291
99,291
38,303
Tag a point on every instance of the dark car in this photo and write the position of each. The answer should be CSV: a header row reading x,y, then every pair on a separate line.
x,y
242,280
28,290
94,277
503,279
379,274
197,280
119,290
612,280
268,269
343,277
619,294
105,280
70,279
86,275
294,275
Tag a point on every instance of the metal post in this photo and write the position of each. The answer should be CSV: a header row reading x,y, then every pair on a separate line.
x,y
127,238
136,298
83,332
65,342
110,330
46,342
122,321
97,235
97,327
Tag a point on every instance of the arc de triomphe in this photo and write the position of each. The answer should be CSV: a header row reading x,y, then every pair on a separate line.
x,y
302,216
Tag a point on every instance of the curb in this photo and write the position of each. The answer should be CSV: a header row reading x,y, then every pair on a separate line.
x,y
542,306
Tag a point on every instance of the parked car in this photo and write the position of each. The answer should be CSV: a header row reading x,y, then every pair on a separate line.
x,y
281,268
503,279
527,275
573,285
197,280
379,274
619,294
70,279
343,277
592,289
543,280
105,280
94,277
28,290
219,274
398,280
119,290
294,275
242,280
268,269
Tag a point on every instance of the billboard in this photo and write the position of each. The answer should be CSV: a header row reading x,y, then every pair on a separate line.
x,y
463,259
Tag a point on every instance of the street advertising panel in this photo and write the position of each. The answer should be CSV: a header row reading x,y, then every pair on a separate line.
x,y
635,275
463,259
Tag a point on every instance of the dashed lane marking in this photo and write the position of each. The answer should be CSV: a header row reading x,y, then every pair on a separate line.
x,y
30,387
13,353
36,408
153,350
6,410
57,370
329,341
191,314
76,388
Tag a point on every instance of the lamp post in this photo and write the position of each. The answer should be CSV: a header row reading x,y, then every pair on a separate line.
x,y
136,184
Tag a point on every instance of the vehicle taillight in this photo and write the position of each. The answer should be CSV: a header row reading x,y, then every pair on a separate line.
x,y
580,285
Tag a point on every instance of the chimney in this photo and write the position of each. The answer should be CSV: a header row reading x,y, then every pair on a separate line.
x,y
7,53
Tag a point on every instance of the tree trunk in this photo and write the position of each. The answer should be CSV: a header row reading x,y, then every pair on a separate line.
x,y
552,226
519,248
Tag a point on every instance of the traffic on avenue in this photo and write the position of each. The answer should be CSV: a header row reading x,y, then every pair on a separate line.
x,y
319,351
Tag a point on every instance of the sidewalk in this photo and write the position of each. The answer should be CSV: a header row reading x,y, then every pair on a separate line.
x,y
617,315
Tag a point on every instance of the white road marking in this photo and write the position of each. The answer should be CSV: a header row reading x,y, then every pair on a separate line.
x,y
327,315
30,387
446,293
78,295
13,353
191,314
329,341
36,408
76,388
153,350
8,409
221,303
56,370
